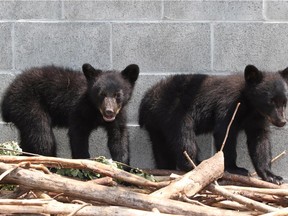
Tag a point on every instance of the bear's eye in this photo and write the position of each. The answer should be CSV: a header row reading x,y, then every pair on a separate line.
x,y
284,102
279,102
117,95
102,94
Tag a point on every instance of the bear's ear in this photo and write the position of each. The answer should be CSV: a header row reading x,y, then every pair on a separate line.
x,y
90,72
284,73
252,75
131,73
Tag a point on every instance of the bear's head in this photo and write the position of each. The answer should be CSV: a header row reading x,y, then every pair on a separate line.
x,y
267,92
110,91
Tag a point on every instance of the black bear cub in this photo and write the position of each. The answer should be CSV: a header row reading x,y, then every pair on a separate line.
x,y
43,97
180,107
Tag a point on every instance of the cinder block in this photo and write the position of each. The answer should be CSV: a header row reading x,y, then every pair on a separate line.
x,y
213,10
5,46
30,9
67,44
5,80
112,10
276,9
163,47
8,133
239,44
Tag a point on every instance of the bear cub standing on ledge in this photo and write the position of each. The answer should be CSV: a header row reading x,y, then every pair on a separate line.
x,y
180,107
44,97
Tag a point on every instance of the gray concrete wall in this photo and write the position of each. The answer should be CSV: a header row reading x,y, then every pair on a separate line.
x,y
163,37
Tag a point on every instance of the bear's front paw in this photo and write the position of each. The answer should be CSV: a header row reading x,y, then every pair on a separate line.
x,y
274,179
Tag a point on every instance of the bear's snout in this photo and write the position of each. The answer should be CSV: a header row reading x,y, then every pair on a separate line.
x,y
280,122
109,109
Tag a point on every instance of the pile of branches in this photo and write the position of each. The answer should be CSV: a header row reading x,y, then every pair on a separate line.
x,y
206,190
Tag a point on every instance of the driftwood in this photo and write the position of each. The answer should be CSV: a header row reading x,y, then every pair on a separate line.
x,y
249,203
112,196
276,192
194,181
249,181
54,207
247,200
94,166
281,212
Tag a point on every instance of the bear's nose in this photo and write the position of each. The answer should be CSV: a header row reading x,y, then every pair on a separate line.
x,y
282,123
109,112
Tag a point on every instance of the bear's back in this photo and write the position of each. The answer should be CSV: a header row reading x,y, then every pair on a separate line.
x,y
203,98
53,89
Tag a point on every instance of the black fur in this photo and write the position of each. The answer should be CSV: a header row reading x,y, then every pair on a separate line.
x,y
181,107
42,98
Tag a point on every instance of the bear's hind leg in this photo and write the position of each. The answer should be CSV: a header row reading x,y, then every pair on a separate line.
x,y
162,153
36,134
182,138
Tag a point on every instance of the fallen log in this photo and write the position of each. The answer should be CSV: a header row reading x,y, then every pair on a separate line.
x,y
37,180
249,181
281,212
54,207
276,192
85,164
194,181
249,203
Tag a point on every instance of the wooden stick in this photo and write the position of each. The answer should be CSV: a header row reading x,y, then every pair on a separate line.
x,y
249,203
163,172
189,159
104,181
276,192
264,198
94,166
229,125
278,156
250,181
230,205
280,212
19,152
113,196
192,182
54,207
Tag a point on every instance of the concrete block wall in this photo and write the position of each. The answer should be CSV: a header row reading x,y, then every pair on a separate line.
x,y
163,37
